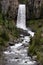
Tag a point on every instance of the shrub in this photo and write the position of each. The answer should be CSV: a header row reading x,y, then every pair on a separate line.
x,y
5,36
35,43
36,46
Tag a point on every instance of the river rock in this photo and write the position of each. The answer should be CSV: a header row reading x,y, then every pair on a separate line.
x,y
11,43
16,58
17,40
34,57
24,32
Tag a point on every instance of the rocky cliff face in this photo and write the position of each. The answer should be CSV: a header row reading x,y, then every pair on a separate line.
x,y
10,7
34,8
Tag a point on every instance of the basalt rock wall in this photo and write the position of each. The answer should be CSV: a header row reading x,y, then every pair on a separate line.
x,y
10,8
34,8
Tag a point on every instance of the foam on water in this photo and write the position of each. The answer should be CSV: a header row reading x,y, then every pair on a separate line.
x,y
17,54
21,19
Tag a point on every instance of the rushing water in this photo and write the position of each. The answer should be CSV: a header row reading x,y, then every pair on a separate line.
x,y
17,54
21,19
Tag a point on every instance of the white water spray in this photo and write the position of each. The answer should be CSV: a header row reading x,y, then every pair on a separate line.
x,y
21,19
17,54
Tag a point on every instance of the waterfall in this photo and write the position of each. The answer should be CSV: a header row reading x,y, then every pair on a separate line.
x,y
17,54
21,19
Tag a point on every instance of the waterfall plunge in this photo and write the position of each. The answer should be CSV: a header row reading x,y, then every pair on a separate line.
x,y
17,54
21,19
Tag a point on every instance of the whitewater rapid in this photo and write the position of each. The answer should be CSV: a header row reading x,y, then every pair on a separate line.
x,y
17,54
21,19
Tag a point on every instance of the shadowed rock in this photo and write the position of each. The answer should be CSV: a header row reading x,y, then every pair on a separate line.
x,y
24,32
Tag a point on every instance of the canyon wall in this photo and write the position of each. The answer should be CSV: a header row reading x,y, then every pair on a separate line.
x,y
34,8
9,8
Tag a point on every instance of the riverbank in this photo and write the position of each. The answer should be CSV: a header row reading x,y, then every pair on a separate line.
x,y
8,31
36,43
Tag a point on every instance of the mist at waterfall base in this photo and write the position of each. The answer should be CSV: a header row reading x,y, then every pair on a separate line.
x,y
17,54
21,19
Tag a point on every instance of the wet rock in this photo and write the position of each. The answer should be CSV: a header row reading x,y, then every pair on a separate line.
x,y
25,61
15,41
11,43
18,40
34,58
21,35
25,45
24,32
16,58
21,40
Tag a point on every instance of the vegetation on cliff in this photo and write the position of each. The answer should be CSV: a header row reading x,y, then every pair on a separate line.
x,y
34,8
8,31
36,43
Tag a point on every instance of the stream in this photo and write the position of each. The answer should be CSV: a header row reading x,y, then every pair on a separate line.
x,y
17,54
